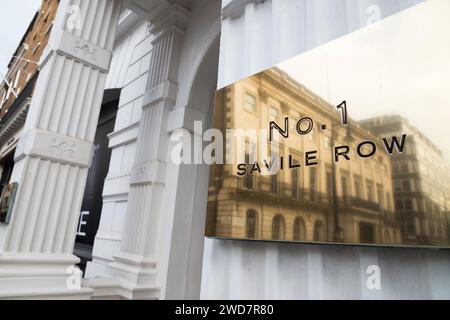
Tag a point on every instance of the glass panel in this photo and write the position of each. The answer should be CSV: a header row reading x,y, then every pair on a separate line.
x,y
342,148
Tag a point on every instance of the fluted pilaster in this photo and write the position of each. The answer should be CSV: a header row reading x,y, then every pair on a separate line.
x,y
136,263
53,156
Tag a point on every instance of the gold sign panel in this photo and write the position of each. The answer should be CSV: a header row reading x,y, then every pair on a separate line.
x,y
346,144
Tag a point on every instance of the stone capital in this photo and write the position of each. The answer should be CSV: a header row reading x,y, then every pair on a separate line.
x,y
56,147
149,172
80,50
165,90
174,18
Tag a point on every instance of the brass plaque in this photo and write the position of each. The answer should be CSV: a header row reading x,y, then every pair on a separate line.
x,y
347,143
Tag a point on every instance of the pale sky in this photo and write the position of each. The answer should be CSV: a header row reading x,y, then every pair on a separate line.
x,y
15,16
401,65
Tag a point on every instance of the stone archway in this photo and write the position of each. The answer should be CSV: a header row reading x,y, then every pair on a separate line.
x,y
189,220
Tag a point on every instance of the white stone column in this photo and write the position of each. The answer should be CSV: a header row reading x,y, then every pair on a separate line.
x,y
53,156
136,265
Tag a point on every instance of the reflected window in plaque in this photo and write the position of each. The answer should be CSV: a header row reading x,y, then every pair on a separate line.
x,y
250,103
251,224
273,114
278,227
329,186
294,181
299,229
366,232
312,184
345,193
319,231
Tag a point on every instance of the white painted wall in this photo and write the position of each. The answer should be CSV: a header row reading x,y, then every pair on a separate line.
x,y
275,30
264,35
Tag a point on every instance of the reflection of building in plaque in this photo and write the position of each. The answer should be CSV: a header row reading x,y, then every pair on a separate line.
x,y
421,178
344,201
7,202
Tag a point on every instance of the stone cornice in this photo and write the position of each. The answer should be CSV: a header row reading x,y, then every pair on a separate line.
x,y
175,17
79,49
236,8
160,13
15,123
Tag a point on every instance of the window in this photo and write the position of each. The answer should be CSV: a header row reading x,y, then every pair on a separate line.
x,y
3,99
278,228
273,114
299,230
388,201
36,48
369,187
47,32
330,186
404,167
410,227
293,123
8,166
312,184
250,103
358,191
327,142
408,204
395,168
319,231
399,204
294,180
366,232
274,184
274,176
345,193
380,196
406,185
251,224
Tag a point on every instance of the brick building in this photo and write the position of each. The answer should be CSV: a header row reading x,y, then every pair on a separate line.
x,y
18,86
24,62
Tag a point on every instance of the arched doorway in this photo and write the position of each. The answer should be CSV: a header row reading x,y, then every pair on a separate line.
x,y
188,230
251,224
299,229
278,227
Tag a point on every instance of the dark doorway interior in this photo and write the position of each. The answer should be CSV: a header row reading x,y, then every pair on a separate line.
x,y
93,200
7,164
